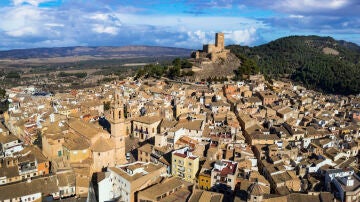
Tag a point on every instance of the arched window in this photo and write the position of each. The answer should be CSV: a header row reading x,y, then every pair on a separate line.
x,y
120,114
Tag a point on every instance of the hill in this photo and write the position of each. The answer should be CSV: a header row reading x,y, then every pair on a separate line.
x,y
318,62
98,52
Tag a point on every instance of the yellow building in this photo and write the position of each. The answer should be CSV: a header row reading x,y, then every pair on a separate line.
x,y
76,148
184,164
204,181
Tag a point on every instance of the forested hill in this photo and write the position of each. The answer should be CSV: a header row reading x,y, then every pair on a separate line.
x,y
318,62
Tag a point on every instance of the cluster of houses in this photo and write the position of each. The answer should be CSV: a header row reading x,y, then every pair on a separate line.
x,y
254,140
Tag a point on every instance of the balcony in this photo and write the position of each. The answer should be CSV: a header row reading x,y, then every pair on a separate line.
x,y
141,131
181,175
181,169
27,169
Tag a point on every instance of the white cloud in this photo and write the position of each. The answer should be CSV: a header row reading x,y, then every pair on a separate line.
x,y
54,25
100,16
306,6
198,36
21,20
24,25
243,37
32,2
101,29
24,31
296,16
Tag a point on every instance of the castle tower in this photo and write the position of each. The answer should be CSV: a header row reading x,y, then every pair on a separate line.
x,y
219,41
118,127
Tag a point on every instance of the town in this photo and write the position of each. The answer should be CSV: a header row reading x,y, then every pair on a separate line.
x,y
150,139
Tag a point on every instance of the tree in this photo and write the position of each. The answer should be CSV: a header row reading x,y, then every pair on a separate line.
x,y
13,75
106,106
176,62
174,72
38,140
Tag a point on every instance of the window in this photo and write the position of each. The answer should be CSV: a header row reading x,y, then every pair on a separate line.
x,y
99,154
59,153
190,164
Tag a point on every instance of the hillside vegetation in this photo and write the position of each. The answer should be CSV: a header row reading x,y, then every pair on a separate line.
x,y
318,62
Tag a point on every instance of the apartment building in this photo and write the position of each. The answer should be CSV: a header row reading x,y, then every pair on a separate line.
x,y
184,164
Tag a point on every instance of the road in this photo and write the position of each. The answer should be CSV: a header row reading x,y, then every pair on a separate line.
x,y
130,146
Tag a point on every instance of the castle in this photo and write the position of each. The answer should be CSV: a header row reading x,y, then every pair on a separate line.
x,y
213,51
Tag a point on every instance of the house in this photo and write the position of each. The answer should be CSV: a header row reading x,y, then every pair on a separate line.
x,y
55,187
285,113
144,152
145,127
205,196
267,98
184,164
9,143
27,163
122,182
224,172
346,184
220,107
171,189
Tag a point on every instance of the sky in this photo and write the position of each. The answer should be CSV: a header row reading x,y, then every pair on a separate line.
x,y
173,23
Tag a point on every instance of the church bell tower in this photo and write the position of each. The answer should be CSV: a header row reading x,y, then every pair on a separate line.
x,y
118,127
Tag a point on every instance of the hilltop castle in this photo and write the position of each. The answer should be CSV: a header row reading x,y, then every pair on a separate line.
x,y
213,51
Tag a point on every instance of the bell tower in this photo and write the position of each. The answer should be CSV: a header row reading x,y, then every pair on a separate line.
x,y
118,127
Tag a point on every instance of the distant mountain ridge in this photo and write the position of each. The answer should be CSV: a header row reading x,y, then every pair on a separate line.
x,y
318,62
100,51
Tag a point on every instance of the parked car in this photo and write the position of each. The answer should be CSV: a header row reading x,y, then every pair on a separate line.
x,y
128,155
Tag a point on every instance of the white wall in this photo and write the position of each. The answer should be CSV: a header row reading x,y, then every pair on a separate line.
x,y
105,190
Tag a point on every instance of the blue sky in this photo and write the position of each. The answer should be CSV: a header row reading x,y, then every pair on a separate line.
x,y
177,23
